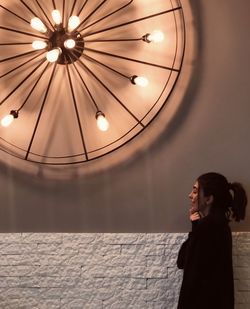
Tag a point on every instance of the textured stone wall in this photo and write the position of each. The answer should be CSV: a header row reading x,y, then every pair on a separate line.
x,y
101,271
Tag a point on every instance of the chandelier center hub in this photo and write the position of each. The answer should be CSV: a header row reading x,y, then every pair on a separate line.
x,y
68,55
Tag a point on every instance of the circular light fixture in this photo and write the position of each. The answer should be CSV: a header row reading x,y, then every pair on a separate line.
x,y
81,82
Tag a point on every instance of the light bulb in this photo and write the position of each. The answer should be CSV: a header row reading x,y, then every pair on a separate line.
x,y
53,55
56,15
140,81
74,22
8,119
39,44
102,122
38,25
70,43
155,37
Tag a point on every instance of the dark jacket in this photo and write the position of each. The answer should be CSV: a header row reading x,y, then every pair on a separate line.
x,y
206,257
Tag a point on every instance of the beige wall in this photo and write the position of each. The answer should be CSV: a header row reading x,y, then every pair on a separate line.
x,y
148,192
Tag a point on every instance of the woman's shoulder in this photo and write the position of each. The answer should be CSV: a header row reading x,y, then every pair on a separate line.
x,y
214,224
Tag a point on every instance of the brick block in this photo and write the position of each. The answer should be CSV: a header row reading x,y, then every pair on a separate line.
x,y
243,285
19,259
41,238
74,303
147,249
124,238
165,238
243,261
86,238
242,297
18,248
242,273
9,238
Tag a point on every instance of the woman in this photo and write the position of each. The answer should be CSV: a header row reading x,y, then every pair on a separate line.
x,y
206,256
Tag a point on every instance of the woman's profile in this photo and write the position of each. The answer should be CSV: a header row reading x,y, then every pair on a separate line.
x,y
206,255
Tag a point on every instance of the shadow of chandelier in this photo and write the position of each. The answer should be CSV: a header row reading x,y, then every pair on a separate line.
x,y
80,79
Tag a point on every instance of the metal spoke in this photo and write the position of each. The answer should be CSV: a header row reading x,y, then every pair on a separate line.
x,y
77,113
22,32
34,86
63,12
134,21
73,7
131,59
46,16
17,56
40,112
20,84
106,66
34,13
10,44
29,60
90,14
113,40
112,94
28,8
80,11
86,87
11,12
106,16
54,4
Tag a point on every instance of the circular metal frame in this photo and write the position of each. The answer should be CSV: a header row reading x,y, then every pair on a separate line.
x,y
92,68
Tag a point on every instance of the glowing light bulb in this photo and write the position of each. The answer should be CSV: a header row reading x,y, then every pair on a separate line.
x,y
156,36
70,43
8,119
53,55
74,22
140,81
39,44
56,15
102,122
38,25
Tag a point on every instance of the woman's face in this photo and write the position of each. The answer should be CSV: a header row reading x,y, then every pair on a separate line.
x,y
199,202
194,196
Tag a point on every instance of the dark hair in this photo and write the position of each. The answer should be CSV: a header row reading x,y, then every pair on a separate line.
x,y
228,197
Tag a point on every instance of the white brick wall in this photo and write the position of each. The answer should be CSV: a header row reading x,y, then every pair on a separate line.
x,y
100,271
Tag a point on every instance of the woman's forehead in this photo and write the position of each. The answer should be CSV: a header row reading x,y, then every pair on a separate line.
x,y
196,185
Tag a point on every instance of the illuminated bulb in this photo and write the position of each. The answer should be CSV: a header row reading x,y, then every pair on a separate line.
x,y
53,54
155,37
140,81
74,22
56,15
39,44
70,43
102,122
38,25
8,119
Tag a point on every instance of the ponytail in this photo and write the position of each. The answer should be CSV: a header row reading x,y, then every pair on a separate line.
x,y
239,201
229,198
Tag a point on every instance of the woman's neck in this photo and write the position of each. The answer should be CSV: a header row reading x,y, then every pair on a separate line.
x,y
205,211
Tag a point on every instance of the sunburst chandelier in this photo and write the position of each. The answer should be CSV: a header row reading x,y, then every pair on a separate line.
x,y
79,79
